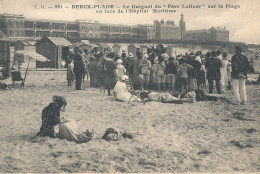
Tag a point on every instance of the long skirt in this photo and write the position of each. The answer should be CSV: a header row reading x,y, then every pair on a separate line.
x,y
71,132
192,85
110,80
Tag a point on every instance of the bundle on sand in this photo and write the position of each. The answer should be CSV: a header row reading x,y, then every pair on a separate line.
x,y
113,134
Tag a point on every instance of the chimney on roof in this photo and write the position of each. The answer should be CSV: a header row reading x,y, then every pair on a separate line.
x,y
162,21
172,22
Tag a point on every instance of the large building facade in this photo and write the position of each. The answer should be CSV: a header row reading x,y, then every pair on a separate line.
x,y
212,34
17,26
167,30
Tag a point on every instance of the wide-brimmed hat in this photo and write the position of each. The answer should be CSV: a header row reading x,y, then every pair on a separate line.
x,y
145,56
238,48
125,77
171,58
130,55
119,61
59,100
78,50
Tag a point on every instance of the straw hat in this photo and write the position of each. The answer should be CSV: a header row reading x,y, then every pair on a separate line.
x,y
130,55
125,77
59,101
145,56
119,61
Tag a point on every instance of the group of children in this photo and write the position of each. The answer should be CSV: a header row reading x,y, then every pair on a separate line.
x,y
158,72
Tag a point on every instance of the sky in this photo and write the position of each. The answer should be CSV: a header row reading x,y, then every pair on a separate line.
x,y
242,23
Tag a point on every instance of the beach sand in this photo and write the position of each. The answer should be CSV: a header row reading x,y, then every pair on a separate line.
x,y
191,137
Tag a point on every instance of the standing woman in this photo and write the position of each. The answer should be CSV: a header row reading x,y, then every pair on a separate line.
x,y
79,68
154,73
101,73
161,73
70,73
223,71
110,73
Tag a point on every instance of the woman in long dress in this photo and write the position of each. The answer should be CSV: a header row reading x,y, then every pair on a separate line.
x,y
122,93
223,71
110,74
70,72
53,126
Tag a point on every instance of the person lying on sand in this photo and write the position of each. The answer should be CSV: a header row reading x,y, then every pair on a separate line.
x,y
53,126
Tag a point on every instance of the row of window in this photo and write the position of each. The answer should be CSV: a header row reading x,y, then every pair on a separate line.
x,y
15,24
16,33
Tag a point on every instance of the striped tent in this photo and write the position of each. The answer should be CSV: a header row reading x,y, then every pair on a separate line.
x,y
32,55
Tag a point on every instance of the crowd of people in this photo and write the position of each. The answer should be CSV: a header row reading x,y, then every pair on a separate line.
x,y
157,71
183,73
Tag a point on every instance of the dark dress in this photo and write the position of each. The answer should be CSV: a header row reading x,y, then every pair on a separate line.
x,y
79,70
213,66
110,74
93,71
101,73
50,118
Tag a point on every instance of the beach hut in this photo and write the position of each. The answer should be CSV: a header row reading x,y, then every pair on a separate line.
x,y
134,48
116,48
144,49
5,68
54,49
85,45
103,47
172,50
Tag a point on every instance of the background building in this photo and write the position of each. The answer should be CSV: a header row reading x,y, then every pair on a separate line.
x,y
167,30
17,26
12,25
212,34
148,32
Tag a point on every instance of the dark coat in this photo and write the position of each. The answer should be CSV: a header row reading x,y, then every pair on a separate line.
x,y
50,118
128,64
240,65
79,66
213,66
110,74
171,68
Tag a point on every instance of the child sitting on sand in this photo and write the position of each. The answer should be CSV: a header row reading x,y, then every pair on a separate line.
x,y
54,126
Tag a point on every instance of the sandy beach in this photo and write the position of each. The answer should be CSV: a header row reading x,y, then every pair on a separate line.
x,y
212,136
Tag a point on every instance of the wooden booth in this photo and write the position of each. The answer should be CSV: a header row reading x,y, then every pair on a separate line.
x,y
103,47
5,61
86,46
144,49
116,48
134,48
54,49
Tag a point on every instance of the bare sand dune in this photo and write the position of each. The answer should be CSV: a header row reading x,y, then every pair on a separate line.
x,y
204,136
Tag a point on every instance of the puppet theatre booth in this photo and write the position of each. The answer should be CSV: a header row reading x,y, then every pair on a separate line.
x,y
134,48
103,47
116,48
54,49
85,45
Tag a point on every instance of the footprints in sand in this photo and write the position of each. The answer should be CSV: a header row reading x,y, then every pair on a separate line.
x,y
241,146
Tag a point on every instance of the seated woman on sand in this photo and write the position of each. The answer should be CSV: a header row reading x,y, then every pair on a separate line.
x,y
121,92
54,126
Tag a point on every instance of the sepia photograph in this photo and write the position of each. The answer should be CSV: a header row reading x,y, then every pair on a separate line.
x,y
129,86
